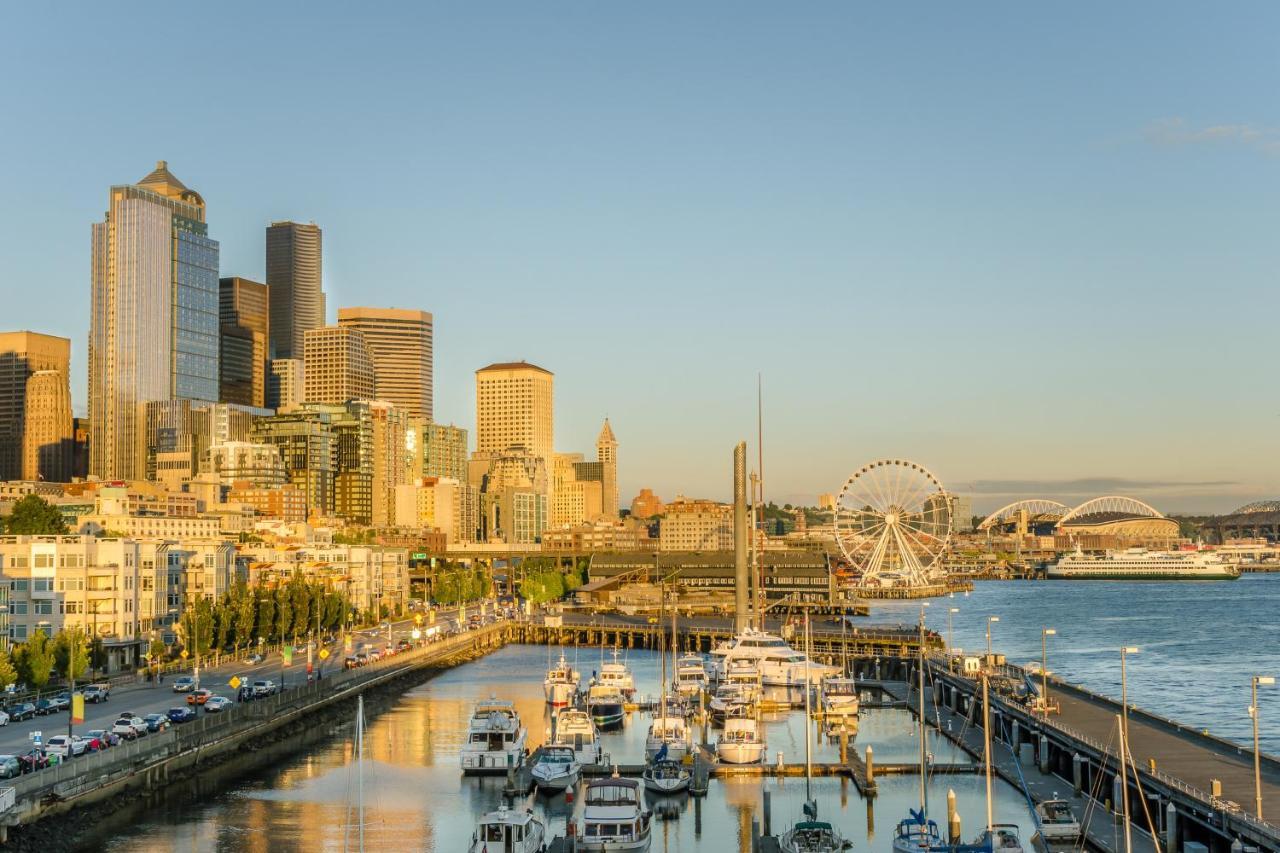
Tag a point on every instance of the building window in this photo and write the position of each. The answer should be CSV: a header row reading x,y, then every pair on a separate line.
x,y
42,584
44,608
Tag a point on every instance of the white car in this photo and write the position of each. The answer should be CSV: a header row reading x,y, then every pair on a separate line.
x,y
66,747
4,719
130,727
215,704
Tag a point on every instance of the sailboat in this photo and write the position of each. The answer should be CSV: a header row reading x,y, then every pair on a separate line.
x,y
346,835
918,834
668,733
811,835
997,836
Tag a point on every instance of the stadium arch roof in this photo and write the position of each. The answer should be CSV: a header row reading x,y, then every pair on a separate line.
x,y
1035,508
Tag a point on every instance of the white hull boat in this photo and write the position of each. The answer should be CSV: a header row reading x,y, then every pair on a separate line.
x,y
741,742
506,831
613,820
556,769
495,739
574,727
666,777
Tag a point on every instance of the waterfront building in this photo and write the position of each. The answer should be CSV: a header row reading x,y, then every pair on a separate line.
x,y
444,451
153,330
337,366
284,503
23,354
400,344
646,505
305,440
284,383
598,536
607,456
802,575
294,280
47,439
374,578
259,465
696,525
244,335
514,408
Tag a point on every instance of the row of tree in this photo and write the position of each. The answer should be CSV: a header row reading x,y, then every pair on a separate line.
x,y
283,613
35,661
545,581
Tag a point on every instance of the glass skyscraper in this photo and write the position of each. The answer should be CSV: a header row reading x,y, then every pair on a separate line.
x,y
153,332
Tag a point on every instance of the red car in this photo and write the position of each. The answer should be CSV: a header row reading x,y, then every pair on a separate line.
x,y
199,697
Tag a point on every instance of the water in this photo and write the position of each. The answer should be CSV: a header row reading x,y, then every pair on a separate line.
x,y
1200,642
417,800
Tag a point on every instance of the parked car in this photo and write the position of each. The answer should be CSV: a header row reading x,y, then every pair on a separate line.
x,y
44,707
403,646
184,684
217,703
181,715
96,693
130,727
156,722
21,711
4,718
63,699
199,697
66,746
253,660
350,662
10,766
33,760
265,687
100,739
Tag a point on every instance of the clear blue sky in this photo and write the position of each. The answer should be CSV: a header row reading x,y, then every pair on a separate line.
x,y
1021,245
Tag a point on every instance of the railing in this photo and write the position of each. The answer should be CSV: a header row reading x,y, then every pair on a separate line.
x,y
7,799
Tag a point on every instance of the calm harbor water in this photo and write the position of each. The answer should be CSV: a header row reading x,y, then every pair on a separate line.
x,y
417,800
1200,642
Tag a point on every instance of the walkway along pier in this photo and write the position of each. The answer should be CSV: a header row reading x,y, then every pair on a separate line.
x,y
1198,788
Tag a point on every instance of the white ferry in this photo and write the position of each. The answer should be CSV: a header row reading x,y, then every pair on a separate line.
x,y
495,738
1141,564
779,664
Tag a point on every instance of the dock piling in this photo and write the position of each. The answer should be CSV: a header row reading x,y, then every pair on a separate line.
x,y
953,818
1044,753
871,768
1077,773
768,812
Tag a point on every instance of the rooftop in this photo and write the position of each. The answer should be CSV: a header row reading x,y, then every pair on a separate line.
x,y
514,365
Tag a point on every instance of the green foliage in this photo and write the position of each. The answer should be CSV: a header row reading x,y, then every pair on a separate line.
x,y
245,605
300,601
98,654
8,673
34,515
71,652
196,627
284,611
357,537
266,606
34,660
156,649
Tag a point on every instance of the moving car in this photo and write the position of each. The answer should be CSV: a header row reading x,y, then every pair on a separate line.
x,y
4,718
156,722
181,715
217,703
184,684
21,711
253,660
199,697
10,766
67,746
96,693
265,688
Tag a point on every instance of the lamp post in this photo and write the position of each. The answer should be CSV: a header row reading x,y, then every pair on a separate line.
x,y
951,647
1266,681
990,619
1124,692
1045,634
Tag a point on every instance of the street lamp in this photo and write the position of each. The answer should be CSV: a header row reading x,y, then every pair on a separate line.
x,y
990,619
1265,681
950,645
1045,634
1124,691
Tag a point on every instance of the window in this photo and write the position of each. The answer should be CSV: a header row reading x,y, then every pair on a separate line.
x,y
42,561
44,608
18,632
18,608
42,584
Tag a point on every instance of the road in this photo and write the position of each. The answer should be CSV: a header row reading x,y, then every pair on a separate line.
x,y
155,698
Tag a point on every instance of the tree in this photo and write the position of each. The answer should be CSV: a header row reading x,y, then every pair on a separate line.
x,y
246,611
284,612
222,618
34,515
8,673
196,627
71,652
98,653
37,660
266,605
300,601
156,650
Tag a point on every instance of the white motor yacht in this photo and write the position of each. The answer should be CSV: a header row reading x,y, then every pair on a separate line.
x,y
666,777
669,732
691,675
1057,823
741,742
613,818
606,706
561,684
779,664
729,701
574,727
509,832
495,738
745,674
556,769
616,675
839,697
813,836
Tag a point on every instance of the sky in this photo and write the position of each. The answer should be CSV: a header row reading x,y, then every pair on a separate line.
x,y
1030,247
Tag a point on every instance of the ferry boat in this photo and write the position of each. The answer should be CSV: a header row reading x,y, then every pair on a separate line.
x,y
561,684
691,675
556,769
666,777
779,664
495,738
1138,564
508,831
839,698
741,742
1057,824
670,736
606,706
574,727
612,818
616,675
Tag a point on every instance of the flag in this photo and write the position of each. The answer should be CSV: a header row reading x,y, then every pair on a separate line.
x,y
661,754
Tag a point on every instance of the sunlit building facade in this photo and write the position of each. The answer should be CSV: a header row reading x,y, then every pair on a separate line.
x,y
294,279
400,343
21,355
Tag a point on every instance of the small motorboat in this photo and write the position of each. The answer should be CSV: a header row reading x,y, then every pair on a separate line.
x,y
741,742
670,736
839,698
666,777
556,769
574,727
561,684
606,706
509,832
1057,823
616,675
691,675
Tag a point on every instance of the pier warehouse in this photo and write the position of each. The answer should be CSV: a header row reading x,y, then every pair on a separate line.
x,y
804,574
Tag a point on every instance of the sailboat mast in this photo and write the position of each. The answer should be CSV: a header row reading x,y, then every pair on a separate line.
x,y
808,761
360,765
662,653
760,490
986,747
924,770
1124,784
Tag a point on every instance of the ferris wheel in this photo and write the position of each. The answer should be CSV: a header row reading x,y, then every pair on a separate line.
x,y
893,523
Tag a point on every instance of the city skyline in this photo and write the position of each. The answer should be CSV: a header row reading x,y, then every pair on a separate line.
x,y
1020,283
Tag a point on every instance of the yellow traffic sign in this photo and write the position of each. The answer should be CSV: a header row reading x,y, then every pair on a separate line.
x,y
234,682
324,653
184,654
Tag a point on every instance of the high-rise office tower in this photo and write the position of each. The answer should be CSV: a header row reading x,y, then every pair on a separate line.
x,y
21,355
444,452
399,340
607,456
284,383
244,331
48,437
337,366
153,330
514,408
294,277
